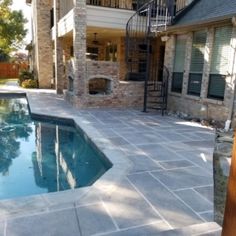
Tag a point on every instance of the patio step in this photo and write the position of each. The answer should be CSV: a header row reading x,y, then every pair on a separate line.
x,y
204,229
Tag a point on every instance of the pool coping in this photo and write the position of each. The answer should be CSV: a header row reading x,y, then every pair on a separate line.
x,y
106,184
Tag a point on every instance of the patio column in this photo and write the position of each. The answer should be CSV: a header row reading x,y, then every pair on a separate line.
x,y
169,57
79,45
58,52
207,62
187,63
42,43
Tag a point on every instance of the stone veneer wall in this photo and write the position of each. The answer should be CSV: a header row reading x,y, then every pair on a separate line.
x,y
221,168
199,107
42,43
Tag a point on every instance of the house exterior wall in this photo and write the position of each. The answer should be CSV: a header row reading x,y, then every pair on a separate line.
x,y
200,107
42,44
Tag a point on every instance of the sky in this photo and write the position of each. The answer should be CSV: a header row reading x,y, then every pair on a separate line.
x,y
21,5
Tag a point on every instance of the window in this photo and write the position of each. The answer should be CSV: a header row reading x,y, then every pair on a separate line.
x,y
179,59
197,63
219,62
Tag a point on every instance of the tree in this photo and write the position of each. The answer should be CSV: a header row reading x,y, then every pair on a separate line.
x,y
12,30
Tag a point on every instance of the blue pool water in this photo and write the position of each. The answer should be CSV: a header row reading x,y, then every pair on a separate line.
x,y
39,157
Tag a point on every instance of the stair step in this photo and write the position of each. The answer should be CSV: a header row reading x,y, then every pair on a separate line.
x,y
156,108
154,96
155,102
154,90
204,229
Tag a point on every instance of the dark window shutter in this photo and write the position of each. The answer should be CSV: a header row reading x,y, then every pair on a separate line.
x,y
177,81
216,88
179,59
194,84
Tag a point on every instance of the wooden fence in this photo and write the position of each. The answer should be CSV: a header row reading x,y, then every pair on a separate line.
x,y
11,70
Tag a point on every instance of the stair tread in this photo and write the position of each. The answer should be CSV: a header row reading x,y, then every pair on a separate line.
x,y
155,96
157,108
155,102
154,90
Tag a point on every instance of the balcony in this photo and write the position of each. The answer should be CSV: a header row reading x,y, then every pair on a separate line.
x,y
133,4
65,7
120,4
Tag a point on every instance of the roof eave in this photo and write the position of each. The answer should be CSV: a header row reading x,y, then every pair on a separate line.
x,y
227,18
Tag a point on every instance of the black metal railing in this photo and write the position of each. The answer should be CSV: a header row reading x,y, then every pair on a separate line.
x,y
157,92
141,30
129,5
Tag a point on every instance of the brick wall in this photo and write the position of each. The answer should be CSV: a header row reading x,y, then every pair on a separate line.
x,y
127,94
123,93
42,43
201,107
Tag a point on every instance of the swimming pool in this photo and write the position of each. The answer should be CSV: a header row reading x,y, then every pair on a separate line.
x,y
40,157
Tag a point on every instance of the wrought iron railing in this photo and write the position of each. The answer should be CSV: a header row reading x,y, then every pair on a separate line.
x,y
121,4
151,18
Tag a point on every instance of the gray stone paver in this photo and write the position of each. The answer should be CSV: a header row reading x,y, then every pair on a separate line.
x,y
200,158
206,192
206,229
147,230
128,208
195,200
184,178
142,163
48,224
2,228
156,153
94,219
168,165
170,207
208,216
159,152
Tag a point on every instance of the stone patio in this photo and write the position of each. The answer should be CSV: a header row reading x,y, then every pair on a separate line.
x,y
161,177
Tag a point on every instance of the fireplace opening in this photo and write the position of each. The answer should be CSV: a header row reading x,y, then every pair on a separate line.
x,y
70,84
100,86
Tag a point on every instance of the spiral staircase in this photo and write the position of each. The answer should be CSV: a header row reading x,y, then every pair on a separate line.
x,y
142,30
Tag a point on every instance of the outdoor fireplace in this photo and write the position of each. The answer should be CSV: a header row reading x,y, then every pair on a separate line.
x,y
100,86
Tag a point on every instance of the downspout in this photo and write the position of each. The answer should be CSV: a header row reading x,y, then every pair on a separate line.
x,y
233,78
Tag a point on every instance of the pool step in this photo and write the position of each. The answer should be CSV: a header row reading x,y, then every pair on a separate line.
x,y
204,229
